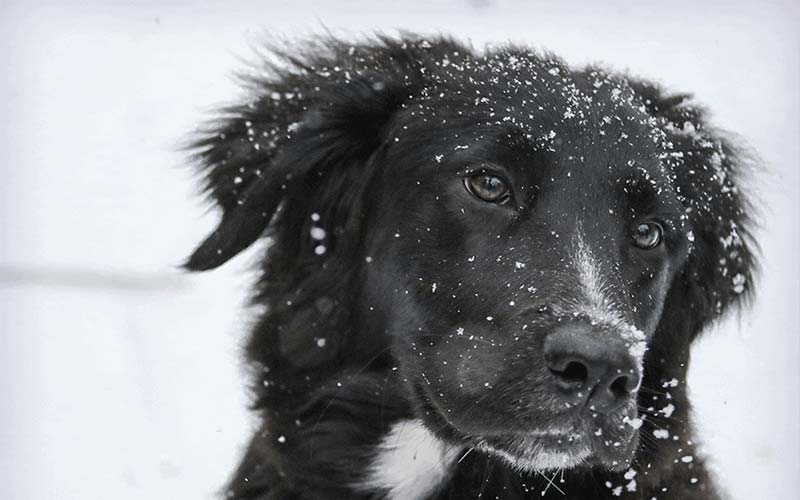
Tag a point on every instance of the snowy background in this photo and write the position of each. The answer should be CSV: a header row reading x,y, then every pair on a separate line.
x,y
120,376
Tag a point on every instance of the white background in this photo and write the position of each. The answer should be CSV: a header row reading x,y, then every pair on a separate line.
x,y
120,377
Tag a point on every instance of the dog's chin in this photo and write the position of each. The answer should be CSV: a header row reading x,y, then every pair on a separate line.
x,y
610,447
539,453
551,451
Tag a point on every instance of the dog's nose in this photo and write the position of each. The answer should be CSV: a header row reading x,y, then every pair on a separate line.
x,y
590,366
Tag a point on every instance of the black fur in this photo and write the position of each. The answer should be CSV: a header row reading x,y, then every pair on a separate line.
x,y
368,142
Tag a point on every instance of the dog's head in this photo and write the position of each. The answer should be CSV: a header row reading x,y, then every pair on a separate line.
x,y
535,246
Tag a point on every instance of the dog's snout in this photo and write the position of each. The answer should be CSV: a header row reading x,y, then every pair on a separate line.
x,y
591,367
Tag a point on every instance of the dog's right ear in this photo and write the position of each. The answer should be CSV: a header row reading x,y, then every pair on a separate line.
x,y
261,154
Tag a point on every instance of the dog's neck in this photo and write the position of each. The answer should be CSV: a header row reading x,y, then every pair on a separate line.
x,y
411,463
352,448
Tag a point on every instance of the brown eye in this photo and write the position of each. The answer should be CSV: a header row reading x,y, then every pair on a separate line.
x,y
648,235
488,187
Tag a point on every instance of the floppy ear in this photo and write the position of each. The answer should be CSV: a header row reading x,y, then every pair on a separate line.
x,y
710,176
314,120
302,130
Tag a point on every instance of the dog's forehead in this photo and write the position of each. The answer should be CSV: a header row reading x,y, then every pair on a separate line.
x,y
540,96
539,104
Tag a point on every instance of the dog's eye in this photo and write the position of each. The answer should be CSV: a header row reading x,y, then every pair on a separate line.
x,y
488,187
648,235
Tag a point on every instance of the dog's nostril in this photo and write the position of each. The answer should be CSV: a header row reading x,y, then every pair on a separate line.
x,y
621,386
573,373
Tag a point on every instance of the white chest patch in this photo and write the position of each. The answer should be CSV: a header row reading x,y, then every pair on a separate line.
x,y
410,463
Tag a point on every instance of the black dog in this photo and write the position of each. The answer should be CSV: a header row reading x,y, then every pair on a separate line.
x,y
484,275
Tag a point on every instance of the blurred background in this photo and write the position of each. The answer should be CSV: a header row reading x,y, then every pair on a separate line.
x,y
120,377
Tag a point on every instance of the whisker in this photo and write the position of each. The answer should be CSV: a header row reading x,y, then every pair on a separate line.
x,y
465,455
489,467
550,483
400,433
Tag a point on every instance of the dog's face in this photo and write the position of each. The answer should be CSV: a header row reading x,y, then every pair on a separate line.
x,y
524,265
534,246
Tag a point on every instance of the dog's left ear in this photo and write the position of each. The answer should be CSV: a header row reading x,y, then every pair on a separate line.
x,y
301,132
710,174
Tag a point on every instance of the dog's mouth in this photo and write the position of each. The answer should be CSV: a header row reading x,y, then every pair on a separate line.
x,y
586,442
539,451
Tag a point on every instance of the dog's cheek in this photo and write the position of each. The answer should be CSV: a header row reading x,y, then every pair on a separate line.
x,y
648,294
650,302
471,366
